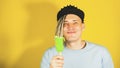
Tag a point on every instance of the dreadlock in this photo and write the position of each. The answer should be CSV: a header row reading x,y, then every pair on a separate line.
x,y
59,28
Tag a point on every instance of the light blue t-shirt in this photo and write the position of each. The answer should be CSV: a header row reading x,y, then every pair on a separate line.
x,y
92,56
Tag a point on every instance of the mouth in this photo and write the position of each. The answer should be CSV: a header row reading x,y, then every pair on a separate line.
x,y
71,32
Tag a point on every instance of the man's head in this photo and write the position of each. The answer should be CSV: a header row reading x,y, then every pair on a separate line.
x,y
73,22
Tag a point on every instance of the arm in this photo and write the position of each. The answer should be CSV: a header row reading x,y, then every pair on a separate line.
x,y
45,60
107,59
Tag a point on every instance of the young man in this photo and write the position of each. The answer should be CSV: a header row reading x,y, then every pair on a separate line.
x,y
77,53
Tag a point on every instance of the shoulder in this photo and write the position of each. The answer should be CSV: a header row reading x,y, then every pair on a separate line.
x,y
50,52
98,48
103,52
51,49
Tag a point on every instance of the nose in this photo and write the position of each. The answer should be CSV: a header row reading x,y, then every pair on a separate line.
x,y
70,25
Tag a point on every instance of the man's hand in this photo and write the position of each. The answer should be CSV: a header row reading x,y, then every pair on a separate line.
x,y
57,62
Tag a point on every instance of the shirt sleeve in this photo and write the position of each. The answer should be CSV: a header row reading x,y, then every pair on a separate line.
x,y
106,59
45,60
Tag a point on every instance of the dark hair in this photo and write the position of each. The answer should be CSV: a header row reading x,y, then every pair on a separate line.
x,y
71,10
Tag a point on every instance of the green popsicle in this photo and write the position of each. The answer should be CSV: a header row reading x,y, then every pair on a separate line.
x,y
59,44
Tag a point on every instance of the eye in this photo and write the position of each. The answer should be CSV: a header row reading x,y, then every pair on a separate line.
x,y
75,23
65,24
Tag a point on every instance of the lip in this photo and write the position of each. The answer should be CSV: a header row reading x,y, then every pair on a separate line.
x,y
71,32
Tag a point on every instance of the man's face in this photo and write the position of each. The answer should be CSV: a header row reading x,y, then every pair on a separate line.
x,y
72,27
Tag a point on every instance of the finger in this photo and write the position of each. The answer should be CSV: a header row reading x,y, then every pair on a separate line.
x,y
59,57
59,66
59,61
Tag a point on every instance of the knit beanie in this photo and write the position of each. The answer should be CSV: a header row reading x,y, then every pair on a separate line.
x,y
70,10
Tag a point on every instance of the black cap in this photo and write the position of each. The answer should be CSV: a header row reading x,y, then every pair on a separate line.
x,y
70,10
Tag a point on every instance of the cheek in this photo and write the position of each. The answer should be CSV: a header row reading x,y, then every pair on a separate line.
x,y
78,28
64,30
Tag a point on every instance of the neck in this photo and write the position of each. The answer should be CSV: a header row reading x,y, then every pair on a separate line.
x,y
75,45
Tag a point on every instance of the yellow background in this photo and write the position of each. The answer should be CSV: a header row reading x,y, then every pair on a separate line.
x,y
27,28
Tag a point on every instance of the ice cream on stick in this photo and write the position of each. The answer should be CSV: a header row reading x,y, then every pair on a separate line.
x,y
59,44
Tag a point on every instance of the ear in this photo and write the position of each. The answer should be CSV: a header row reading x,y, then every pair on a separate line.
x,y
83,27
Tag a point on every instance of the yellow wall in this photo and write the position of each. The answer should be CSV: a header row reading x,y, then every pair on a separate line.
x,y
27,28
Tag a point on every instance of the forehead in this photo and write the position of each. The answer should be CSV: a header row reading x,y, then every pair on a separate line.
x,y
72,17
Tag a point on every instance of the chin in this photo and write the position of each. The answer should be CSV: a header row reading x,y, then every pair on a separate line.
x,y
71,39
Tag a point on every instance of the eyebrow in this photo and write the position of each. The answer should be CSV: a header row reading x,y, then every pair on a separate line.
x,y
75,20
72,20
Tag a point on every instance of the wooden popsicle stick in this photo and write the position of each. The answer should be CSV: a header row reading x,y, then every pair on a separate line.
x,y
60,53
